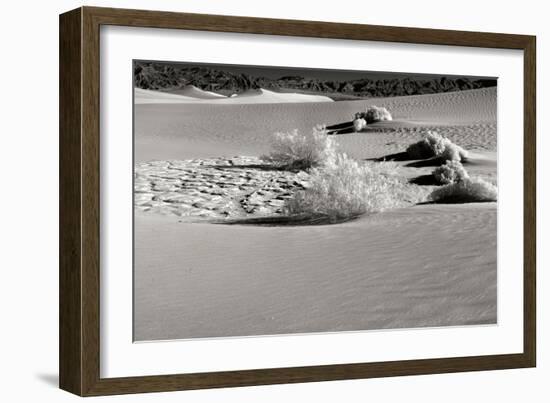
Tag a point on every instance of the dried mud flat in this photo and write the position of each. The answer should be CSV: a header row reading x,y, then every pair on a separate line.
x,y
214,188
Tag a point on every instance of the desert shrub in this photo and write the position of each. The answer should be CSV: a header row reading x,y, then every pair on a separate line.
x,y
297,151
359,124
435,145
453,152
373,114
452,171
346,189
377,114
465,191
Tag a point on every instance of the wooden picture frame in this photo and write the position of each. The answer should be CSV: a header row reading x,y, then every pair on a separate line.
x,y
79,348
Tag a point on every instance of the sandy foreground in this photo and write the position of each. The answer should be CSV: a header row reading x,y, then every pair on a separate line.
x,y
424,265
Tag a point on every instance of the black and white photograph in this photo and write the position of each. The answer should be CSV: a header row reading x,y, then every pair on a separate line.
x,y
274,200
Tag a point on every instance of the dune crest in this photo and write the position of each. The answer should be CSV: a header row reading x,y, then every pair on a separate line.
x,y
263,96
142,96
193,95
194,92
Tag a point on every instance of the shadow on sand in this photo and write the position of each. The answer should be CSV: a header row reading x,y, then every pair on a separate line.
x,y
288,221
430,162
416,163
454,200
402,156
260,167
341,128
424,180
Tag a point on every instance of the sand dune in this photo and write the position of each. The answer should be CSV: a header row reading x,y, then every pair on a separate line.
x,y
194,92
261,96
426,265
142,96
468,118
197,96
413,267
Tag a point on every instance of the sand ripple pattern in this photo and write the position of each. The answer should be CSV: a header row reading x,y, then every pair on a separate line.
x,y
475,136
215,188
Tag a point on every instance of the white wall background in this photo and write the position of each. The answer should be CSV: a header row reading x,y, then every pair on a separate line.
x,y
29,201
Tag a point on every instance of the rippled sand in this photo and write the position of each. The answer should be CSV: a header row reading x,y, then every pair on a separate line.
x,y
421,266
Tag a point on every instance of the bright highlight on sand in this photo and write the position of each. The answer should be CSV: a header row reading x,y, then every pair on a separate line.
x,y
190,95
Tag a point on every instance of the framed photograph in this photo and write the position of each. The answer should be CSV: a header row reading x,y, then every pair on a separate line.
x,y
249,201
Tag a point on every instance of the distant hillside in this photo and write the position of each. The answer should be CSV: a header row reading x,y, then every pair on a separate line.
x,y
159,76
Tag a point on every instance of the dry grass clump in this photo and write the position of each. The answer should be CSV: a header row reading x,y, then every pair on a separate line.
x,y
339,188
373,114
451,172
347,189
435,145
465,191
297,151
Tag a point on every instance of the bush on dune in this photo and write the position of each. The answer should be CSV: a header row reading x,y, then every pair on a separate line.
x,y
435,145
377,114
451,172
359,124
373,114
346,189
296,151
339,187
452,152
466,191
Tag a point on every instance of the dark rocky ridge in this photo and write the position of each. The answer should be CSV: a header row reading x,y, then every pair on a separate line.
x,y
159,76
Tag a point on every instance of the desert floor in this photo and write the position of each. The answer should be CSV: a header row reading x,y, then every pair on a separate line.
x,y
423,265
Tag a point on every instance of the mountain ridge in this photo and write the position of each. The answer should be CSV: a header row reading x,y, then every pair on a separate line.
x,y
170,78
